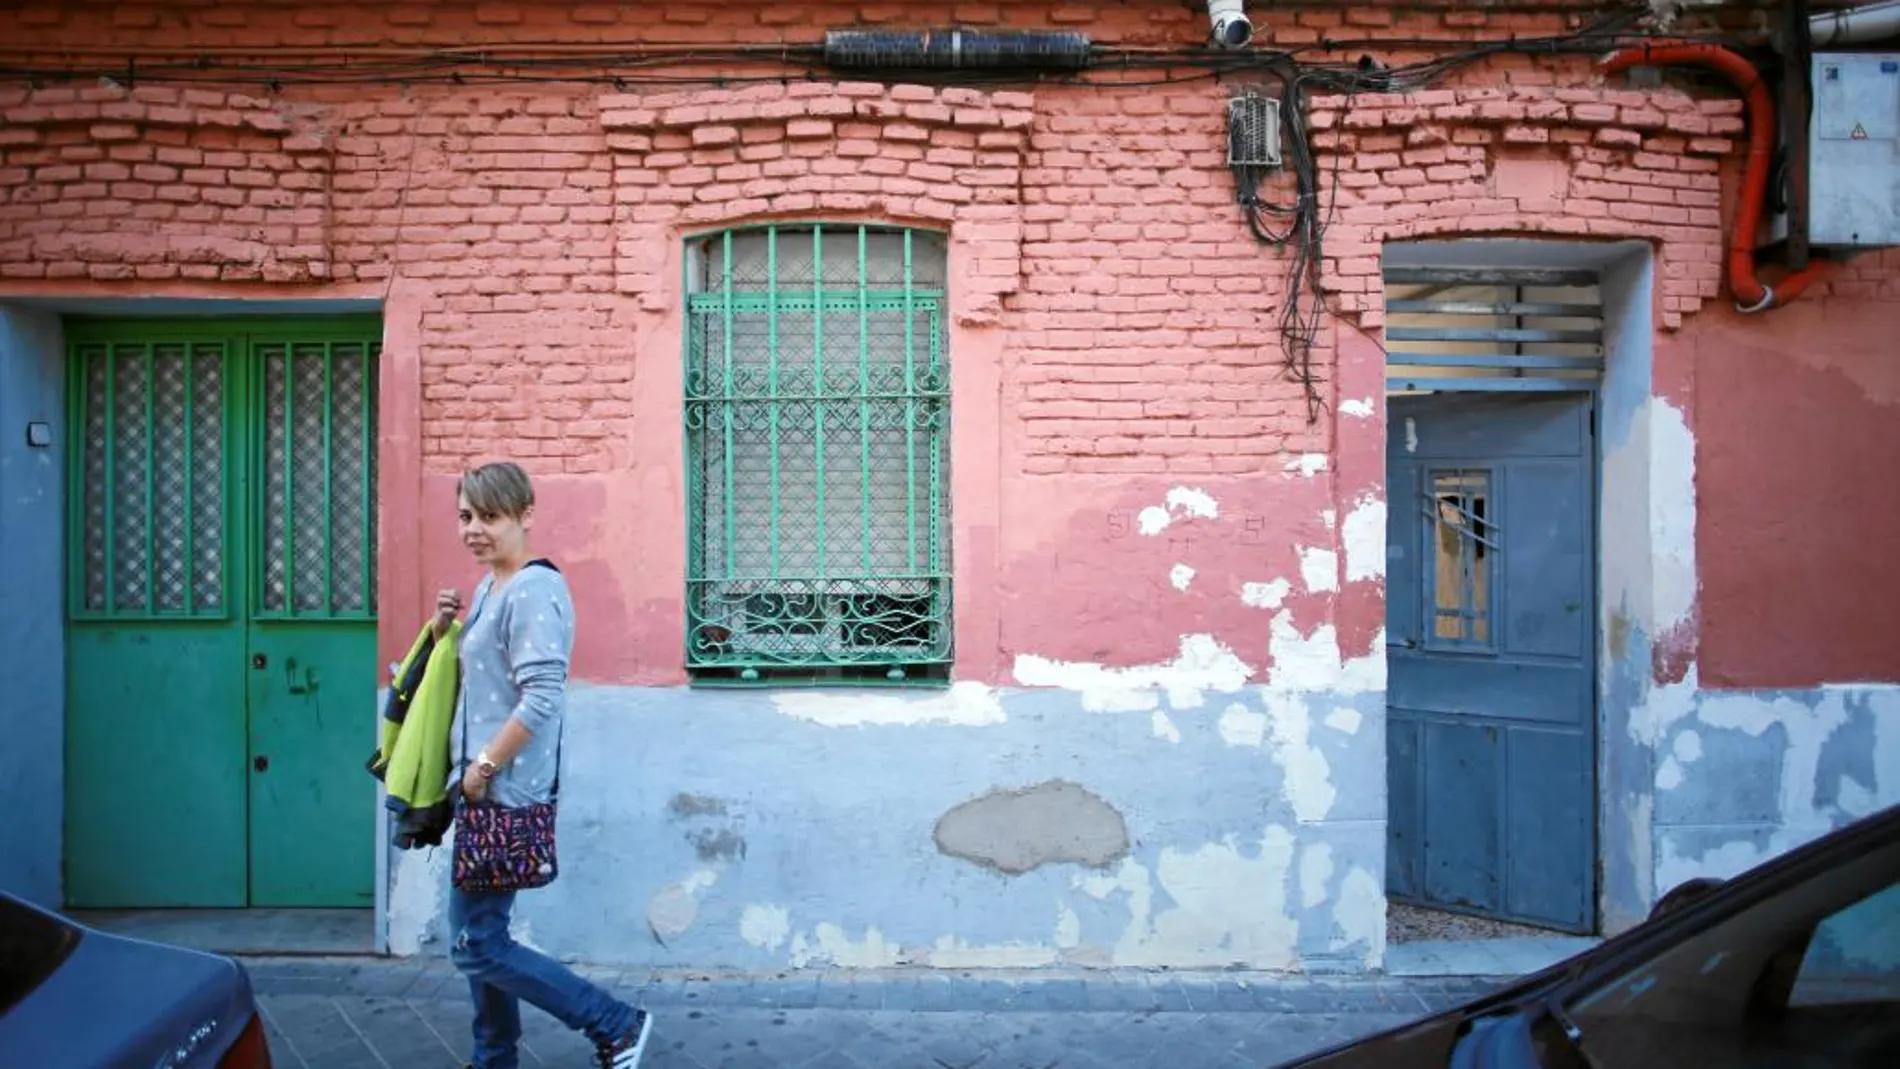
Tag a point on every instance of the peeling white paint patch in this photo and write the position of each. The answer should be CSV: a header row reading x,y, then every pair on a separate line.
x,y
1686,751
1204,664
1180,576
1164,726
1068,927
1669,774
1208,925
1241,726
950,952
1313,662
1319,569
1688,747
1265,595
1364,539
1411,435
1744,712
1672,508
1345,720
1309,787
1316,871
674,909
828,944
966,704
766,927
1357,408
1663,708
1182,502
1361,916
1307,465
416,895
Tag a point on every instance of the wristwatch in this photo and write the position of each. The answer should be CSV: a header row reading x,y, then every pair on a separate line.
x,y
485,767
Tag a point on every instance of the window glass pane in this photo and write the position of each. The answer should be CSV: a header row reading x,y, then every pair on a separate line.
x,y
1463,555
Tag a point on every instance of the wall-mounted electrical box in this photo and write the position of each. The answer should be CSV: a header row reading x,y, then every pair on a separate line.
x,y
1854,150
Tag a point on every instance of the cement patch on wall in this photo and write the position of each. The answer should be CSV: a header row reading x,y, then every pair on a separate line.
x,y
1095,842
1015,831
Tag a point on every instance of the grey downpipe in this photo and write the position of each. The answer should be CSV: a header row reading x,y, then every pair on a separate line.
x,y
1855,25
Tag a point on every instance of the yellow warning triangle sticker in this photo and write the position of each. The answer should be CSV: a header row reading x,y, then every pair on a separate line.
x,y
1859,134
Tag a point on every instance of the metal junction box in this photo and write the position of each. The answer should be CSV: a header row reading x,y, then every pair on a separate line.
x,y
1854,150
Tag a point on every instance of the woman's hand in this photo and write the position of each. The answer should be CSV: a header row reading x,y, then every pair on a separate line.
x,y
474,784
448,604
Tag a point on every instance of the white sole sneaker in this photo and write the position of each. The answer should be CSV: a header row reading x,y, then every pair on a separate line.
x,y
630,1058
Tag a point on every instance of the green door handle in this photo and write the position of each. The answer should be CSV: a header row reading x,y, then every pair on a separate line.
x,y
304,686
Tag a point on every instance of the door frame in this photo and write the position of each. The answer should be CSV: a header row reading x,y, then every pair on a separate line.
x,y
1641,464
243,502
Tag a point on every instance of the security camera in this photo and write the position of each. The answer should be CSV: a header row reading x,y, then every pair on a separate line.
x,y
1229,19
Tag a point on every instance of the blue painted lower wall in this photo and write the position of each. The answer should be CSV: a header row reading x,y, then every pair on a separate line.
x,y
32,655
1032,828
964,829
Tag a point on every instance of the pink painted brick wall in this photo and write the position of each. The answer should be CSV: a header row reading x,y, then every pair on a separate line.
x,y
1099,262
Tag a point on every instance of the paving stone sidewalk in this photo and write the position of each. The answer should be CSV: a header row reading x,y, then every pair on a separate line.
x,y
368,1013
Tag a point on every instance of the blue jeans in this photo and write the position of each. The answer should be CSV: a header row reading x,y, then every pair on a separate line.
x,y
502,974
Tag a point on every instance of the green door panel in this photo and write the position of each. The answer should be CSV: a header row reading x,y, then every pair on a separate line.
x,y
155,806
313,636
221,696
313,724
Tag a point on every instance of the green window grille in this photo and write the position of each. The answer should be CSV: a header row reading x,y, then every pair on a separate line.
x,y
817,427
178,427
151,505
319,478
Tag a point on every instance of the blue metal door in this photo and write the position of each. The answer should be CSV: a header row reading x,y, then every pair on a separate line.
x,y
1490,624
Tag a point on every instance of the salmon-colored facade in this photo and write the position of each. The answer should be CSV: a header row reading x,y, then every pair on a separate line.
x,y
1169,553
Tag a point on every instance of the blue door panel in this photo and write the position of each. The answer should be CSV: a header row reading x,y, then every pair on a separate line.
x,y
1491,633
1451,426
1463,766
1543,693
1547,812
1547,552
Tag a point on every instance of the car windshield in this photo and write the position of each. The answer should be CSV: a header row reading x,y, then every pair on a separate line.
x,y
32,944
1808,977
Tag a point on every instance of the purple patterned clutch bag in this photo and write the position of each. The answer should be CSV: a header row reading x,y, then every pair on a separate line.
x,y
504,848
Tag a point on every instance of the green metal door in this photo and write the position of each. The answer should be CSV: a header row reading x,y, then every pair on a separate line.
x,y
220,703
312,635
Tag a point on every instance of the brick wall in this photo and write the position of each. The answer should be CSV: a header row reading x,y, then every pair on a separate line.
x,y
1140,314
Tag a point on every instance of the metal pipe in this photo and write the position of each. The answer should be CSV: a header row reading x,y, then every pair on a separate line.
x,y
1855,25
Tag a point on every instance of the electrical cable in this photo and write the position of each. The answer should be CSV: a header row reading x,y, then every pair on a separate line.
x,y
1301,235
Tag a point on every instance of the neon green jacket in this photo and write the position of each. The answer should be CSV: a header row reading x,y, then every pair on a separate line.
x,y
413,757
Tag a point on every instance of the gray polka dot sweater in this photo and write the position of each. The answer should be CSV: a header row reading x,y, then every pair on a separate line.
x,y
516,645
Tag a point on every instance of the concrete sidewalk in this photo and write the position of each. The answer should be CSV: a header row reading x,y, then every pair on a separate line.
x,y
369,1013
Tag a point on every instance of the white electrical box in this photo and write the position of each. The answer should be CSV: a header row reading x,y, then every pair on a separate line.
x,y
1854,150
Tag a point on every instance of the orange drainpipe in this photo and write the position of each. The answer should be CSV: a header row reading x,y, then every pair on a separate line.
x,y
1751,294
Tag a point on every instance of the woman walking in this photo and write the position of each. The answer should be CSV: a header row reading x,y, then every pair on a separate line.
x,y
514,656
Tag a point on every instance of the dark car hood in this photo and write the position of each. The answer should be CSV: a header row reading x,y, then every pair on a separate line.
x,y
120,1002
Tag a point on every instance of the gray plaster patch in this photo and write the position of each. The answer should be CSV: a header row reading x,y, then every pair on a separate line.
x,y
672,912
696,805
722,845
1015,831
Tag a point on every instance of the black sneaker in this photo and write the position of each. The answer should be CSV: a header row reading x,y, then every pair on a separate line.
x,y
625,1052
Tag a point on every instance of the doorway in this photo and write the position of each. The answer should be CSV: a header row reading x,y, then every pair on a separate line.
x,y
221,612
1492,600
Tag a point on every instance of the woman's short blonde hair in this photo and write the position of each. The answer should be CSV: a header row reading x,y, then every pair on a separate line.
x,y
498,489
